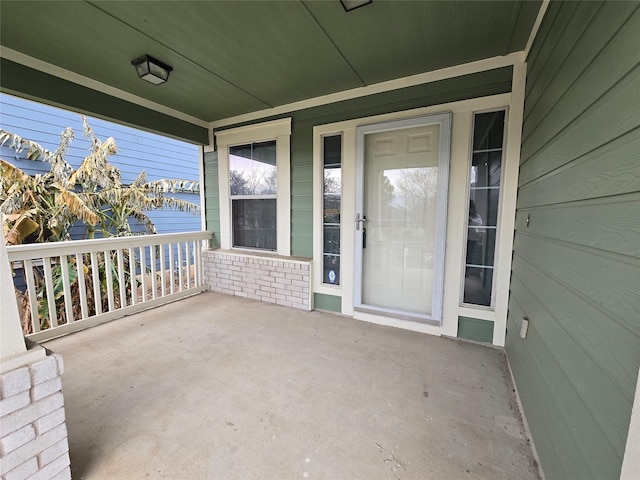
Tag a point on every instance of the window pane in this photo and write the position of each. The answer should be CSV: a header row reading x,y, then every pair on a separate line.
x,y
254,223
478,285
252,169
488,130
332,198
484,197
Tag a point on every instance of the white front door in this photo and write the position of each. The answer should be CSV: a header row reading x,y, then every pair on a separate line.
x,y
402,177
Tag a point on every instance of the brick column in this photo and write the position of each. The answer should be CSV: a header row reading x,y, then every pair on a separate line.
x,y
33,433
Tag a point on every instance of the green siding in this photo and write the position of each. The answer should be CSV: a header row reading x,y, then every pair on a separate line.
x,y
475,329
327,302
212,196
461,88
577,240
481,84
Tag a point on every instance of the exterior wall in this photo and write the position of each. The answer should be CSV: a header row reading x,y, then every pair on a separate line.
x,y
159,157
33,434
211,196
458,89
491,82
577,244
461,88
280,280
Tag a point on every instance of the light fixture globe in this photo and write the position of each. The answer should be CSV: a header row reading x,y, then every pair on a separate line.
x,y
152,70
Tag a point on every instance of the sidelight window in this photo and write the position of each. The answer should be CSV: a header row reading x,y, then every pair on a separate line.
x,y
484,201
332,200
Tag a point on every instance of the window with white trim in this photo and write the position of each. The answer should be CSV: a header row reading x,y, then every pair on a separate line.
x,y
253,170
253,187
485,176
331,208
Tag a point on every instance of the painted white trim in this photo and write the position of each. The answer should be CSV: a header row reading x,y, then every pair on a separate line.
x,y
78,79
481,313
280,131
444,120
203,220
12,343
398,323
631,459
283,216
536,27
347,216
482,103
509,193
224,197
395,84
256,132
456,216
318,183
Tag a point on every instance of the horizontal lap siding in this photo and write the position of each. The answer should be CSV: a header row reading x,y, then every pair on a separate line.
x,y
212,196
481,84
577,245
159,157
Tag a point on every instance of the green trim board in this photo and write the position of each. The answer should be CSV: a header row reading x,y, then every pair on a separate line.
x,y
331,303
475,329
35,85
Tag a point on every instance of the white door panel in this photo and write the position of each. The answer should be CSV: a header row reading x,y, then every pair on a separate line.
x,y
400,248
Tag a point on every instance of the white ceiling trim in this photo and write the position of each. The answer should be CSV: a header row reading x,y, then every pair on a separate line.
x,y
76,78
398,83
536,27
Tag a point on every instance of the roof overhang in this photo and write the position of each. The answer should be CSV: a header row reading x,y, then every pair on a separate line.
x,y
234,61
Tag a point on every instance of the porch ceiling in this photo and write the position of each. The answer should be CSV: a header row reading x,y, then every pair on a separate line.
x,y
231,58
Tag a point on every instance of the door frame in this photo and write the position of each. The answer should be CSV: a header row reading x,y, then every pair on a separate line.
x,y
339,298
444,153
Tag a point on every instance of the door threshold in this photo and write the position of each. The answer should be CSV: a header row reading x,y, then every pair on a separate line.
x,y
411,317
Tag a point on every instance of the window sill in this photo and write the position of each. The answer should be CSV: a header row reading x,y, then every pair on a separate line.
x,y
477,311
261,255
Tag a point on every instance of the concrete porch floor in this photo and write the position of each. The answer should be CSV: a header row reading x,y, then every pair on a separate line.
x,y
216,387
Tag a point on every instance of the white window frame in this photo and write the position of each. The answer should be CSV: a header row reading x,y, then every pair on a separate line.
x,y
280,131
321,269
457,210
492,306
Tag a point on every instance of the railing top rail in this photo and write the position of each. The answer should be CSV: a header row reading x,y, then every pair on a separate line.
x,y
54,249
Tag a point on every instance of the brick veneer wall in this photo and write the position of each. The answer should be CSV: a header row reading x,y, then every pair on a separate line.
x,y
33,433
280,280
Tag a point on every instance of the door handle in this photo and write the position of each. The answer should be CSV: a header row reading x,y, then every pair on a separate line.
x,y
359,220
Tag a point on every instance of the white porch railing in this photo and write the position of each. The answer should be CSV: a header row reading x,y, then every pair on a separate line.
x,y
73,285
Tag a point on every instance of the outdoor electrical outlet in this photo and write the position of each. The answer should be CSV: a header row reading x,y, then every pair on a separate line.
x,y
525,327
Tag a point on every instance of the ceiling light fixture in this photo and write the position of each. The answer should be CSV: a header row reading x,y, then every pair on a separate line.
x,y
152,70
349,5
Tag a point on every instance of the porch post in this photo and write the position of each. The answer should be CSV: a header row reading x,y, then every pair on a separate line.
x,y
34,432
13,351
